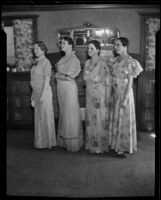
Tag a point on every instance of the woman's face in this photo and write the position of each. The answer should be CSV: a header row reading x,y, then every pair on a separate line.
x,y
37,51
119,47
92,51
64,45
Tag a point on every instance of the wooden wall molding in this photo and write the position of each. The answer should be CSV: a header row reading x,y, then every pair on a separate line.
x,y
22,8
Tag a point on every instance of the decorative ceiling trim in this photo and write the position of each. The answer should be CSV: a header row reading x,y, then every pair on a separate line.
x,y
22,8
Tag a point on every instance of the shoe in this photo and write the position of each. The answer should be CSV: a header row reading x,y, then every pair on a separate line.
x,y
112,150
98,151
122,155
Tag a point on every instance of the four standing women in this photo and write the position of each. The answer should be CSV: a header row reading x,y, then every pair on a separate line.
x,y
98,87
41,99
70,134
110,117
124,68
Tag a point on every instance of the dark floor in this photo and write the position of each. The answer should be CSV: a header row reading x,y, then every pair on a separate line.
x,y
58,173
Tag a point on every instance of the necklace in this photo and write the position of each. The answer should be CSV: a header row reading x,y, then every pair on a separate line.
x,y
92,65
93,62
122,57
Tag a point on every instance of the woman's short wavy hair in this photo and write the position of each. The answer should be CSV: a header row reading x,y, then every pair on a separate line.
x,y
124,41
97,44
69,40
42,46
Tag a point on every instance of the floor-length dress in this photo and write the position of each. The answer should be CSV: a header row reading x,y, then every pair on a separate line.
x,y
70,132
44,124
97,79
123,135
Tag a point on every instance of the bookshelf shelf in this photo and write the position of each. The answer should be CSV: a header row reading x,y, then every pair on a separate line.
x,y
20,114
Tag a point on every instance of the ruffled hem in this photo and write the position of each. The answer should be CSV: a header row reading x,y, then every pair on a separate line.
x,y
73,144
43,146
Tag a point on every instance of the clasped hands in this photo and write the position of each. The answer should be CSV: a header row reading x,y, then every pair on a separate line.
x,y
61,76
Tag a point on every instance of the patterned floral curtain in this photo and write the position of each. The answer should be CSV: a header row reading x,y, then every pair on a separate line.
x,y
23,39
152,26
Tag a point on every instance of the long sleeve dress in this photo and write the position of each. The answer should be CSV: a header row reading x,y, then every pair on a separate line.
x,y
123,136
97,80
70,132
44,124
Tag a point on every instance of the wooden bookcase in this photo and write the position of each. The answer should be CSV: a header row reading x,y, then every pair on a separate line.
x,y
20,114
19,110
146,101
146,81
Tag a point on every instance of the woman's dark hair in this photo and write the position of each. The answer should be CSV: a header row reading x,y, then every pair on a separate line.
x,y
69,40
96,44
42,46
124,41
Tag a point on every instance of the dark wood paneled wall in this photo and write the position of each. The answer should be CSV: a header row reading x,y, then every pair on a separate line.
x,y
146,101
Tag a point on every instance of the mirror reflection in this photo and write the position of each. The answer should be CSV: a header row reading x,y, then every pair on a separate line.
x,y
81,36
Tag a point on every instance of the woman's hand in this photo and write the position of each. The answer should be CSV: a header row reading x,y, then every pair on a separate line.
x,y
41,99
57,75
32,103
68,78
63,77
124,102
107,101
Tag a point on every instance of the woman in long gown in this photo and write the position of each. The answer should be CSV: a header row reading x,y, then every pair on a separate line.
x,y
70,135
124,68
41,99
98,88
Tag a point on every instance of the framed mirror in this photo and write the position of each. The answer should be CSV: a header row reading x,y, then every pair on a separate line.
x,y
81,36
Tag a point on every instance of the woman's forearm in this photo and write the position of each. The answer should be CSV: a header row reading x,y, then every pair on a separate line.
x,y
32,96
73,74
84,76
108,91
128,87
45,84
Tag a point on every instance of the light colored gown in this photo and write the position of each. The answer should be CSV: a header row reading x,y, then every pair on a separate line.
x,y
97,79
123,136
70,134
44,124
